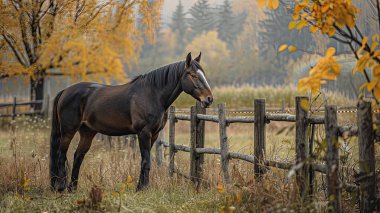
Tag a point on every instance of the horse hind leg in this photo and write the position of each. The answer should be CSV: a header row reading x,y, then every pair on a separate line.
x,y
86,137
61,179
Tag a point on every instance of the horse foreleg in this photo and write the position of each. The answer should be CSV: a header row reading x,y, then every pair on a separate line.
x,y
86,137
145,147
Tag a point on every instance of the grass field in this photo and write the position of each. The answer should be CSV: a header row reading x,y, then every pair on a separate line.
x,y
109,175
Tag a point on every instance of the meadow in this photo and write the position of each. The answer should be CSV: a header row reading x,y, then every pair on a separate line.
x,y
109,173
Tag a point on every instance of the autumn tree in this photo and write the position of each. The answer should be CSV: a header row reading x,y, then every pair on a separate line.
x,y
40,38
339,20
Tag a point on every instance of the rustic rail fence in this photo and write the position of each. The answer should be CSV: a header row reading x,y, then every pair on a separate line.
x,y
31,112
304,165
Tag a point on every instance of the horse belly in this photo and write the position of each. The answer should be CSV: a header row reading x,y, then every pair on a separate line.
x,y
112,124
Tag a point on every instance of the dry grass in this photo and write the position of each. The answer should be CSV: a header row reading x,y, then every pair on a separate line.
x,y
109,174
106,184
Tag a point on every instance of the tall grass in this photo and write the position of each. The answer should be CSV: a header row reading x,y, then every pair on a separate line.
x,y
243,96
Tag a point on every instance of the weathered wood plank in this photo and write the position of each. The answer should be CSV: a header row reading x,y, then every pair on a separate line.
x,y
302,148
212,118
183,117
333,182
367,159
259,137
171,139
223,142
200,139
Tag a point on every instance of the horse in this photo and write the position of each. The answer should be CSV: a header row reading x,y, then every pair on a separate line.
x,y
138,107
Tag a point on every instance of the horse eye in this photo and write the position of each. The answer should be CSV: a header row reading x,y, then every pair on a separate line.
x,y
193,75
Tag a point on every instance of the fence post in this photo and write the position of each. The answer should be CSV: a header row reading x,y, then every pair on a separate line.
x,y
193,144
282,105
200,136
223,142
259,137
171,139
302,146
333,183
14,108
45,107
197,141
366,158
159,148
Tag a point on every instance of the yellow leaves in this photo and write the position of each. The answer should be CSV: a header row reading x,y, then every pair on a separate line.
x,y
291,48
302,24
330,52
292,25
98,40
362,63
313,29
261,3
271,4
220,187
305,104
325,70
128,183
325,15
282,48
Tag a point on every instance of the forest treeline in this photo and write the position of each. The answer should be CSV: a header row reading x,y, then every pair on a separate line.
x,y
239,43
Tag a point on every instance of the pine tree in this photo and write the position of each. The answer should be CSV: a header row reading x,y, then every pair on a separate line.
x,y
179,25
274,32
202,18
228,25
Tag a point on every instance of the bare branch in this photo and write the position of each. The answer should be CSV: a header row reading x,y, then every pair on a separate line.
x,y
17,53
96,13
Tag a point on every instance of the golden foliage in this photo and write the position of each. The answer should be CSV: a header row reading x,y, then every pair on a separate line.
x,y
326,69
327,17
74,38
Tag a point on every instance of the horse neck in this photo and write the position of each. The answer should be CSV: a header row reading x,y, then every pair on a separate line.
x,y
170,93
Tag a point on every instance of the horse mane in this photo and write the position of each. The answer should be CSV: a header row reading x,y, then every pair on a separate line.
x,y
160,76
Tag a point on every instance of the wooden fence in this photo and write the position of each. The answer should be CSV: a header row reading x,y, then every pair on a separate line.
x,y
304,165
15,104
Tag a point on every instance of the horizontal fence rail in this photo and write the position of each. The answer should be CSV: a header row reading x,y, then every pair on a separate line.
x,y
305,164
43,112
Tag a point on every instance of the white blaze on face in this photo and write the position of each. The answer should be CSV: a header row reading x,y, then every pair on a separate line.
x,y
203,79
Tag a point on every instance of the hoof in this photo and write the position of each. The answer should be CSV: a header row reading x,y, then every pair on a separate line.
x,y
72,188
60,185
141,187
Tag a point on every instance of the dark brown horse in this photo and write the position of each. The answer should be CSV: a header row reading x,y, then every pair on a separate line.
x,y
138,107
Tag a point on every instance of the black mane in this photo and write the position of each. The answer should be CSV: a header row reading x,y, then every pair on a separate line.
x,y
161,76
170,73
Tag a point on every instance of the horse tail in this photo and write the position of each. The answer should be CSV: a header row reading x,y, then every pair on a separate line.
x,y
55,138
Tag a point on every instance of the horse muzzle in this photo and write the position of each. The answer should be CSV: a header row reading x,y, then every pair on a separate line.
x,y
207,101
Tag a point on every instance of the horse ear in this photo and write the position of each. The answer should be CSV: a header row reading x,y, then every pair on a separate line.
x,y
188,59
198,58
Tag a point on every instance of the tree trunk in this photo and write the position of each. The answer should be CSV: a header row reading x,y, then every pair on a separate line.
x,y
37,92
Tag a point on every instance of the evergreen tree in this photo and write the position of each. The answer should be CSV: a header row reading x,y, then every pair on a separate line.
x,y
202,18
179,25
274,32
228,25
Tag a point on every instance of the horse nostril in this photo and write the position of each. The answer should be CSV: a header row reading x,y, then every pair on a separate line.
x,y
209,99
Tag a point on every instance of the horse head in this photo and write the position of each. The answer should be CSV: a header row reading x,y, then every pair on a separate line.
x,y
194,81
